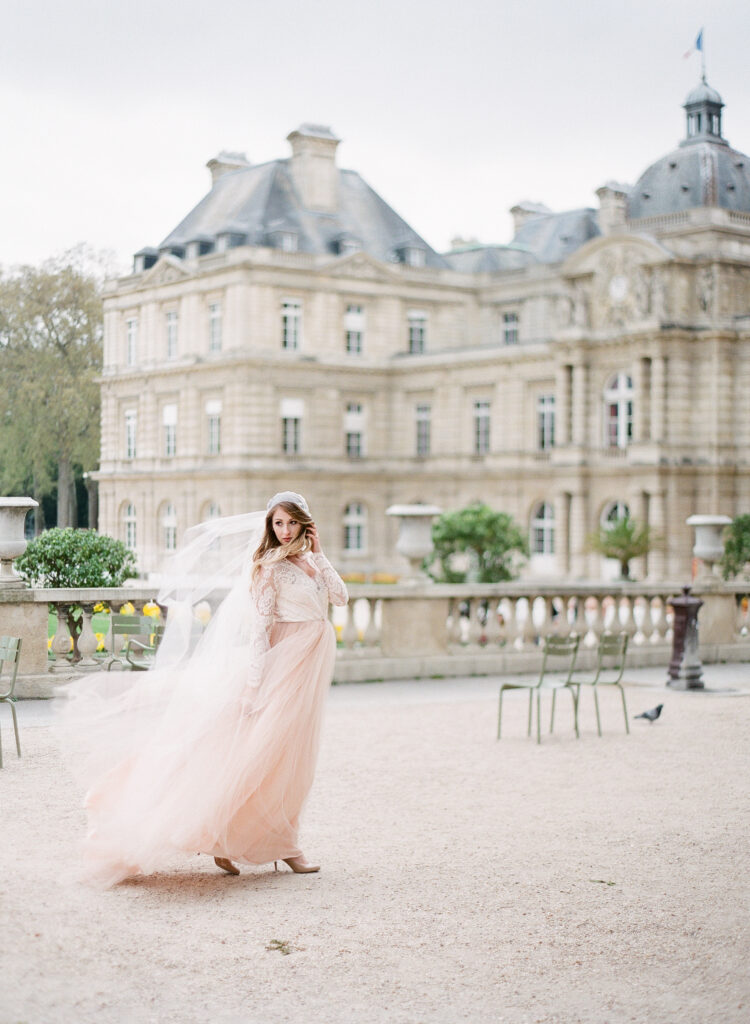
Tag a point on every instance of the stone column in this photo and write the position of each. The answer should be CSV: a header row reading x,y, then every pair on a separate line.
x,y
657,521
578,530
562,405
658,399
580,405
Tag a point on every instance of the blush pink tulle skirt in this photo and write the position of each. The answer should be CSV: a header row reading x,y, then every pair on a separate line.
x,y
183,761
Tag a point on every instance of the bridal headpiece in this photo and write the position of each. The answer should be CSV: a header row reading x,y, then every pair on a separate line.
x,y
291,496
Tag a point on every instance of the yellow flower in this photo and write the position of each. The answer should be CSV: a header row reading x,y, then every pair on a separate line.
x,y
101,646
49,643
152,609
128,608
202,612
101,607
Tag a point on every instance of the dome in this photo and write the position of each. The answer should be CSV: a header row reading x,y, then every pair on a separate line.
x,y
701,174
703,93
704,171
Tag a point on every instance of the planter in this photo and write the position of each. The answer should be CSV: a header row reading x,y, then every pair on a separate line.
x,y
709,542
12,539
414,536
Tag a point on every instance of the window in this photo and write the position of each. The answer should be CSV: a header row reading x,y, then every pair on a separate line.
x,y
355,528
481,427
292,410
291,319
354,430
510,328
618,411
169,427
131,425
169,528
545,420
214,327
132,341
417,330
422,419
213,511
213,426
354,327
172,335
614,512
129,522
543,530
413,256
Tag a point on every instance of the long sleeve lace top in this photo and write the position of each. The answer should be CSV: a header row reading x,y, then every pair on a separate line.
x,y
283,592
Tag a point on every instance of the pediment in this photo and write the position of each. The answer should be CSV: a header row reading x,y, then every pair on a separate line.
x,y
360,265
166,270
615,251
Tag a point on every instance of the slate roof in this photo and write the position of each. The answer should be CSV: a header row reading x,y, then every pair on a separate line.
x,y
700,174
258,201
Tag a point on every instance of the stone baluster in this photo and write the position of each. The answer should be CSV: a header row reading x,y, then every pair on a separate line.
x,y
61,640
476,628
528,633
371,636
510,626
545,610
595,622
492,630
627,618
349,631
742,630
454,622
87,642
646,628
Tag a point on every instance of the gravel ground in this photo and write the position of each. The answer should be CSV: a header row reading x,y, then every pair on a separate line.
x,y
597,881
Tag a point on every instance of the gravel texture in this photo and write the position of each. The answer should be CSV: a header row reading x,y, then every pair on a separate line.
x,y
592,880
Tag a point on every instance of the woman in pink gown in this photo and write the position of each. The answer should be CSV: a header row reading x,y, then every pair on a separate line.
x,y
215,751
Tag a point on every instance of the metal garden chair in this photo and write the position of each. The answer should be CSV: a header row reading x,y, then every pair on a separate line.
x,y
10,652
610,665
564,651
121,629
140,653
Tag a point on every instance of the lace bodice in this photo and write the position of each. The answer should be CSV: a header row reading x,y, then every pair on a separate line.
x,y
283,592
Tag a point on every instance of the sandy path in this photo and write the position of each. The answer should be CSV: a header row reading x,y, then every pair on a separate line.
x,y
463,880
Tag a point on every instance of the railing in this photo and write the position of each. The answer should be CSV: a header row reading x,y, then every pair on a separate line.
x,y
392,630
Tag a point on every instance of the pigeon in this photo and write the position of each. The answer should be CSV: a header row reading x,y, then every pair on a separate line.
x,y
651,715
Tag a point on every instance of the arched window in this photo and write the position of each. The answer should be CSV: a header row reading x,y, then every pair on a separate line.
x,y
169,527
618,411
543,529
211,510
355,528
613,512
129,524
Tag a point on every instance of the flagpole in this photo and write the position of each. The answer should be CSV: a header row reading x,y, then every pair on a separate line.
x,y
703,58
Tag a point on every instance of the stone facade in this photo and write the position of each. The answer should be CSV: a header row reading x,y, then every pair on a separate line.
x,y
594,363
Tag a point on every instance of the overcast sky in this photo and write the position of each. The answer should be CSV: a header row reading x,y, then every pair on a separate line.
x,y
453,110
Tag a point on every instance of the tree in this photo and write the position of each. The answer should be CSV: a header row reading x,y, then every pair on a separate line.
x,y
50,358
736,547
625,539
492,540
63,557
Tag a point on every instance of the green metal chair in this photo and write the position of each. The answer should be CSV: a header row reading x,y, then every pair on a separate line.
x,y
10,653
121,629
140,654
610,666
563,650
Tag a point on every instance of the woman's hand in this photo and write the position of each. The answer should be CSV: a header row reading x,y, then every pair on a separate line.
x,y
312,536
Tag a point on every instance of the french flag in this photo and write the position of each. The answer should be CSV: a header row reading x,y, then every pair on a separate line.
x,y
697,45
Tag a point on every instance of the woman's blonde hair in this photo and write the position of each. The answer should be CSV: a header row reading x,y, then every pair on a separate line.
x,y
270,550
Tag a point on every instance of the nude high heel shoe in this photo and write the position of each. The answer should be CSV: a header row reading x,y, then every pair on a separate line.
x,y
226,865
299,865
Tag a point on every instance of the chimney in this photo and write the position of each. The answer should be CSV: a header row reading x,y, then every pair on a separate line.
x,y
613,205
313,166
226,162
524,211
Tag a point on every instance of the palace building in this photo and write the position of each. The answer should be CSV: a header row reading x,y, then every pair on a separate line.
x,y
294,332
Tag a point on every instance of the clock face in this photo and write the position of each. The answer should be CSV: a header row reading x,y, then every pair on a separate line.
x,y
618,288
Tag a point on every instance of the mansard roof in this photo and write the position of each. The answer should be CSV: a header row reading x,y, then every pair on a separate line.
x,y
260,201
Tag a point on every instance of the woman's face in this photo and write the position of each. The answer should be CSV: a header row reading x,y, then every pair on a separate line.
x,y
285,527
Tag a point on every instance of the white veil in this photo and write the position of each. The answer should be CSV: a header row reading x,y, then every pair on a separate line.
x,y
208,580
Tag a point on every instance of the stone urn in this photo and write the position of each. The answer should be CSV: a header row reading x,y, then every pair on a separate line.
x,y
12,538
415,536
709,543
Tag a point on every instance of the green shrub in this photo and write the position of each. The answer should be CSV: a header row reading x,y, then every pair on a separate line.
x,y
64,557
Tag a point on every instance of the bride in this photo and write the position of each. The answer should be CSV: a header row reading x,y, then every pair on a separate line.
x,y
214,750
